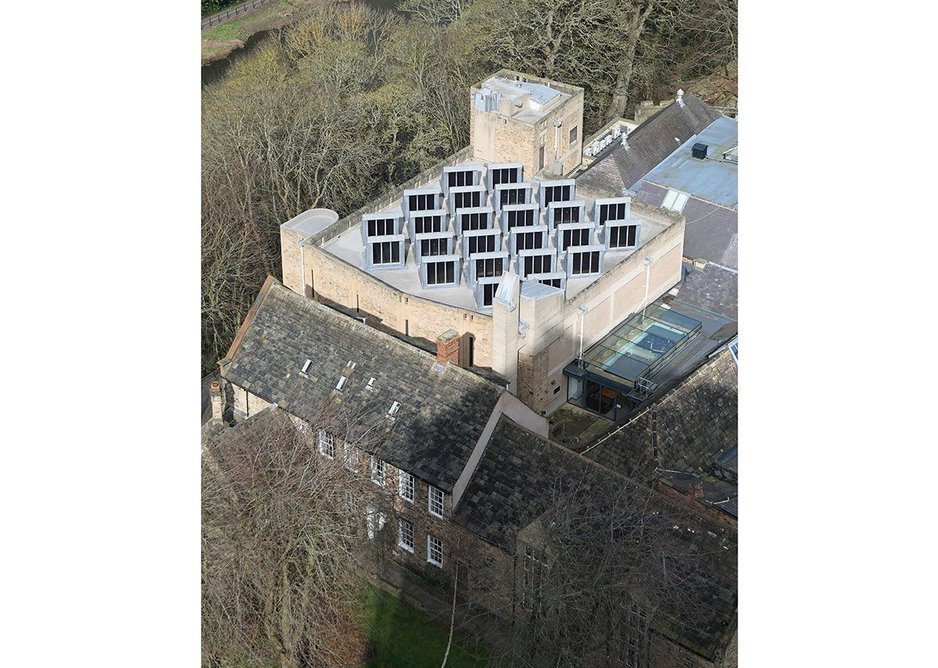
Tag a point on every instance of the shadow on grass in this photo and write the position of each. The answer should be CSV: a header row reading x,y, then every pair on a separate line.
x,y
400,636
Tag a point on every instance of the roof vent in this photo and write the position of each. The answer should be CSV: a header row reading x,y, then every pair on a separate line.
x,y
699,151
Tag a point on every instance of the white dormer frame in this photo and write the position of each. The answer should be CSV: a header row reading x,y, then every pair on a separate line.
x,y
557,213
612,208
495,174
460,173
511,191
614,230
530,213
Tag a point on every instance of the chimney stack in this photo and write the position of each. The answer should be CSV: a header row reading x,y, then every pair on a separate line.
x,y
447,347
680,97
218,404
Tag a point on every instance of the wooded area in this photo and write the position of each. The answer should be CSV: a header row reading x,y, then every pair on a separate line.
x,y
351,100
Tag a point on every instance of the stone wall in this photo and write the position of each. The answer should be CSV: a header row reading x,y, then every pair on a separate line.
x,y
334,280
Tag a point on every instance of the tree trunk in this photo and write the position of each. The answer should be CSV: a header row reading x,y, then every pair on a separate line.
x,y
620,94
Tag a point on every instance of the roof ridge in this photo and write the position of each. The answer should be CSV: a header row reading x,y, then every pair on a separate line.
x,y
311,305
603,469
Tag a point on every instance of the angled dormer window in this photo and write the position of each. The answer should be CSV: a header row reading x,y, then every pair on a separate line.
x,y
341,383
395,407
306,366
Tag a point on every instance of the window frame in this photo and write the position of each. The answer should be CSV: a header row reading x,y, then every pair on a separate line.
x,y
448,271
326,444
403,476
401,524
616,232
430,501
430,560
377,465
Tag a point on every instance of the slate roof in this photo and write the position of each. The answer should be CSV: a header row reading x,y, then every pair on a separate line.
x,y
720,494
691,426
443,409
710,230
521,476
515,482
710,288
649,144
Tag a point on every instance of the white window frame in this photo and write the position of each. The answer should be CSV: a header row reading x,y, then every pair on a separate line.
x,y
374,521
326,444
378,476
405,481
401,524
430,501
430,559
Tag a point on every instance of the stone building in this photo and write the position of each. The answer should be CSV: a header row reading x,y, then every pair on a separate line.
x,y
422,340
430,256
462,471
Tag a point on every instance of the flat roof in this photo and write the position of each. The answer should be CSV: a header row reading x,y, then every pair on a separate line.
x,y
534,99
712,179
312,222
349,246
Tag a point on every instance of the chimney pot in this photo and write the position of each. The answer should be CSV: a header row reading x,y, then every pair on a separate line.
x,y
695,491
680,96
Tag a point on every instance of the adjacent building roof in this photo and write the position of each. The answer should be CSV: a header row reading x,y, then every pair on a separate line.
x,y
648,145
443,409
713,178
687,429
518,477
710,230
521,477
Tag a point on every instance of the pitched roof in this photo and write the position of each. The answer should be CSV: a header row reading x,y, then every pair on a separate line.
x,y
443,409
514,483
710,230
522,476
690,426
649,144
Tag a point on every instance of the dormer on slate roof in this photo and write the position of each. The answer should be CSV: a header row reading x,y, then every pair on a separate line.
x,y
438,413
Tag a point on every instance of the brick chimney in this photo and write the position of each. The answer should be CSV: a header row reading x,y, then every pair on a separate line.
x,y
218,404
447,347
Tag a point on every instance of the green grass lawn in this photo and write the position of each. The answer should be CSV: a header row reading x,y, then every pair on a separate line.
x,y
216,41
401,637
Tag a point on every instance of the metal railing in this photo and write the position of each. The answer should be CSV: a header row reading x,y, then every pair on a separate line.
x,y
231,12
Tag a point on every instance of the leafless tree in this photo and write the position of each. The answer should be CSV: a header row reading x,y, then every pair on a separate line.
x,y
435,12
600,569
282,529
